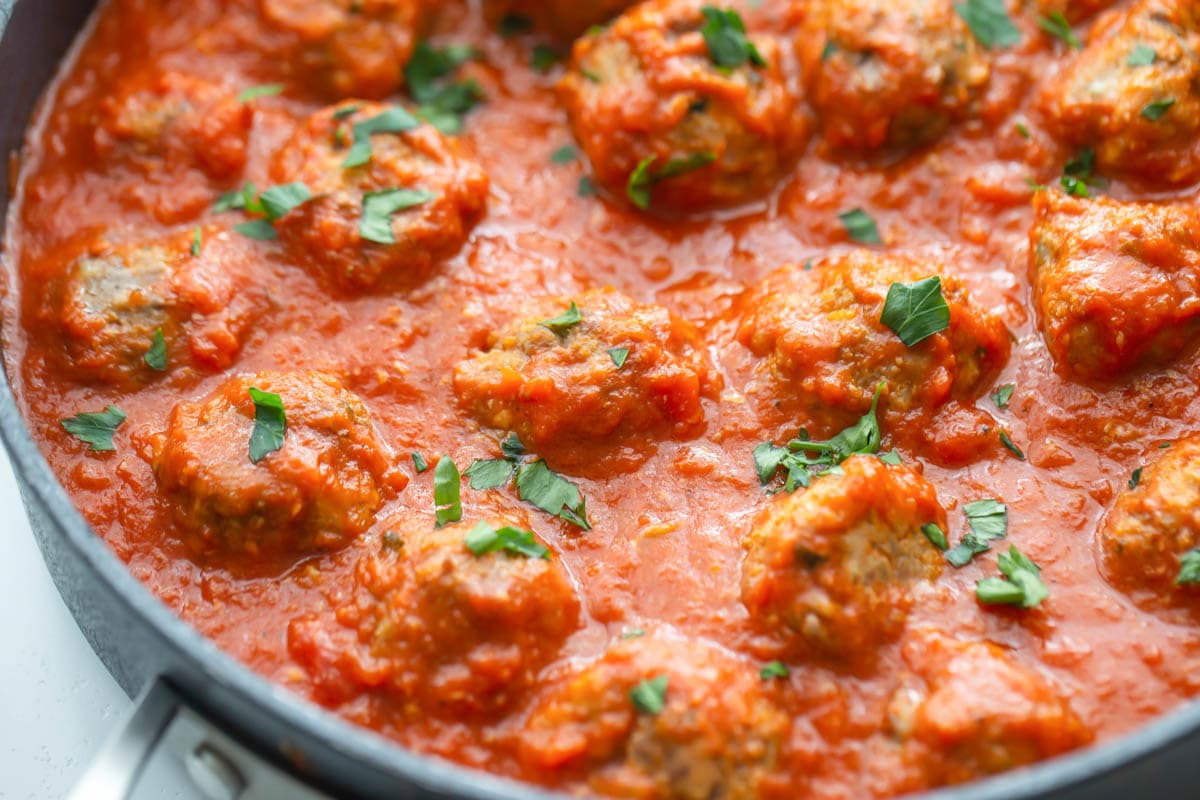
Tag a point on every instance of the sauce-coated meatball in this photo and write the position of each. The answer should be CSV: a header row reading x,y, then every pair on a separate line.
x,y
562,18
319,490
820,332
460,632
117,297
1151,528
984,713
831,568
889,73
1134,93
1116,285
563,391
328,233
645,93
347,48
718,735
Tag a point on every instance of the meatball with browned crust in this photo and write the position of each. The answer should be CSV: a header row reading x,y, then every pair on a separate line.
x,y
889,73
669,123
1116,285
982,713
1150,541
318,490
386,206
830,569
1133,94
590,379
346,48
564,19
825,346
662,718
120,298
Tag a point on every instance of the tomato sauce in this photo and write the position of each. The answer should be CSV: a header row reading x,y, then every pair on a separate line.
x,y
666,545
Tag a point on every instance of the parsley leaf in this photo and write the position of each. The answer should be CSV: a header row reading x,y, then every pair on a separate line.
x,y
544,58
514,24
270,424
447,499
378,208
1135,479
1057,26
96,429
552,493
273,203
936,536
618,355
564,155
264,90
392,120
563,323
644,177
484,539
633,633
1023,587
441,103
279,200
419,462
989,521
1003,395
156,356
774,669
1011,446
916,311
512,447
238,198
586,187
1189,569
489,474
1142,55
1075,187
1156,110
725,36
989,22
650,696
860,226
197,241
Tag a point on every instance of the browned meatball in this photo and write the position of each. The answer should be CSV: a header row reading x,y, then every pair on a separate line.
x,y
317,491
464,633
983,713
1151,529
717,734
820,332
446,195
1134,93
666,126
591,392
181,133
346,48
1116,285
889,73
1073,10
562,18
118,297
831,569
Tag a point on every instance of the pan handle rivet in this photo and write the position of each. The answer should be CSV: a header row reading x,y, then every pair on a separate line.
x,y
214,774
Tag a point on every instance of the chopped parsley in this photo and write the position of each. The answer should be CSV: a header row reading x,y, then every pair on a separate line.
x,y
916,311
391,120
1135,479
1021,585
1075,187
514,25
197,241
491,473
1079,174
263,90
989,22
936,536
644,177
1011,446
1189,569
419,462
1158,109
1003,395
96,429
544,58
564,155
564,322
828,50
378,208
447,499
156,356
633,633
650,696
536,483
441,102
725,36
1023,130
1057,26
773,670
512,447
618,355
273,203
988,520
270,424
1142,55
861,226
236,199
586,187
484,539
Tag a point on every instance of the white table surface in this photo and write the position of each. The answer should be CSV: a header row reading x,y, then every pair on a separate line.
x,y
57,702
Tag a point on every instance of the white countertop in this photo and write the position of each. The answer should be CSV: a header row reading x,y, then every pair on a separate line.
x,y
57,702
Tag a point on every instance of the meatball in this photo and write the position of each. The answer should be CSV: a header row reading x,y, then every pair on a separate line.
x,y
663,124
446,191
463,633
1116,285
318,491
985,713
831,569
1151,528
1133,94
589,393
346,48
717,735
889,73
820,332
117,298
565,19
182,134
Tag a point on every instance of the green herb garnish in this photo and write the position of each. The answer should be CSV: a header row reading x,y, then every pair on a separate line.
x,y
156,356
988,520
644,177
1057,26
1142,55
989,22
936,536
539,485
1021,586
270,424
1156,110
391,120
564,322
773,670
725,36
916,311
650,696
378,208
419,462
442,103
447,498
1003,395
484,539
96,429
263,90
618,355
1011,446
861,226
1189,569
